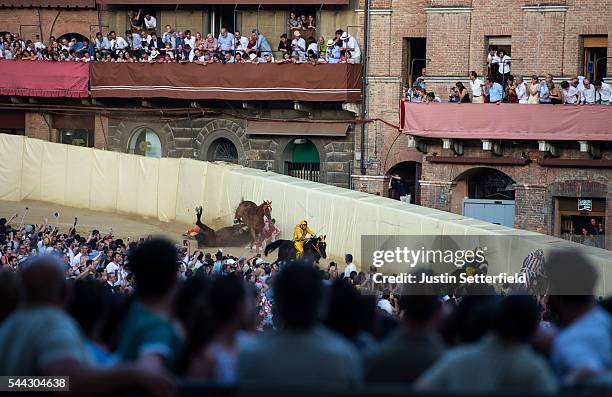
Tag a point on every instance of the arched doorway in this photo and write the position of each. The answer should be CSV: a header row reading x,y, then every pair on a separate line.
x,y
486,194
222,149
69,36
302,160
145,142
408,185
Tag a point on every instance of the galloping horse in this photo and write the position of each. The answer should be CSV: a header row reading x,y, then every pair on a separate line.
x,y
253,216
235,235
314,249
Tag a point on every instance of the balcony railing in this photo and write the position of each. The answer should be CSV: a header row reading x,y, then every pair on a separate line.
x,y
307,171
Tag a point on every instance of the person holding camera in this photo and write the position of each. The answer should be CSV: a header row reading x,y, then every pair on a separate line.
x,y
298,45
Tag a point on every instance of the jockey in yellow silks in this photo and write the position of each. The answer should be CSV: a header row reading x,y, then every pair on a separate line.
x,y
299,236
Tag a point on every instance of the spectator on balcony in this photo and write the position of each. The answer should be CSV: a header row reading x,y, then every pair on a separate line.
x,y
294,23
169,37
155,42
312,23
303,22
283,44
136,20
150,22
286,58
238,58
298,45
476,85
199,42
350,43
312,46
534,91
312,58
86,47
291,356
227,57
453,95
189,39
517,367
180,38
543,90
101,42
588,92
332,54
570,93
261,44
321,46
502,61
240,42
116,42
133,39
554,93
210,44
337,39
464,95
491,69
510,90
225,42
520,90
603,92
494,90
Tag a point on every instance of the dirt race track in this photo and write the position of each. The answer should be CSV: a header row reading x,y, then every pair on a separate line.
x,y
123,226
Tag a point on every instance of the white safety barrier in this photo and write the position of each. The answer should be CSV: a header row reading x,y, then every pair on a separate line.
x,y
169,190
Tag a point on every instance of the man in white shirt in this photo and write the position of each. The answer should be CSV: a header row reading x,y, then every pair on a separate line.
x,y
350,266
521,90
117,42
150,21
298,45
588,92
189,39
350,44
603,92
571,93
76,260
384,304
476,86
115,267
38,44
240,42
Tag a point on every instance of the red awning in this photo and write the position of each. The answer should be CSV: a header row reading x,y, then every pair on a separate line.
x,y
49,3
44,79
255,2
507,121
237,82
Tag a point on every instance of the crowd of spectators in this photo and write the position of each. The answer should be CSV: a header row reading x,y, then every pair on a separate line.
x,y
500,85
142,43
112,313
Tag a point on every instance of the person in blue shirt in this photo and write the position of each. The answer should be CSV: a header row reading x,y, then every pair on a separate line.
x,y
494,90
84,47
225,41
262,45
332,55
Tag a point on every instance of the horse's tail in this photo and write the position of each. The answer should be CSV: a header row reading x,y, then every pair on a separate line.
x,y
272,246
238,212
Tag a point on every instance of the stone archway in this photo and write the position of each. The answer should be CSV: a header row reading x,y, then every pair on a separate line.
x,y
222,131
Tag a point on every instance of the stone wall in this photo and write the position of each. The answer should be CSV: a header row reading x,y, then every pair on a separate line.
x,y
195,138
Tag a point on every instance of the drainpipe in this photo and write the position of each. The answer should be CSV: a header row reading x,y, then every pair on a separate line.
x,y
364,84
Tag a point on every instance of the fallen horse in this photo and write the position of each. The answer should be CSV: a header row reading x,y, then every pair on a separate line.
x,y
232,236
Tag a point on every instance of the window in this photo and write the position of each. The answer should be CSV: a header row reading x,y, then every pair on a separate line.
x,y
224,150
77,137
595,57
145,142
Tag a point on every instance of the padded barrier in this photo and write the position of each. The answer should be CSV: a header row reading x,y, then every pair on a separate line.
x,y
169,189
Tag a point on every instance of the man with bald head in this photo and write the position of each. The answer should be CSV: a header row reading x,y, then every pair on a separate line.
x,y
40,339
